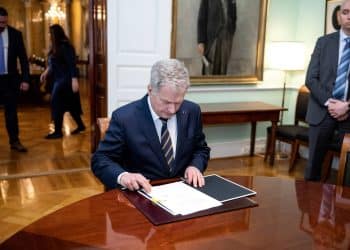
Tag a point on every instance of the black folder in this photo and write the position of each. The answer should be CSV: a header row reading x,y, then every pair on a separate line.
x,y
223,189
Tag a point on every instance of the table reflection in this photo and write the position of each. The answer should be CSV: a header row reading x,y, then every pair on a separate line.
x,y
323,216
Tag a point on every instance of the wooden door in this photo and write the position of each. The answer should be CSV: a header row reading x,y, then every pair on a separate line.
x,y
97,65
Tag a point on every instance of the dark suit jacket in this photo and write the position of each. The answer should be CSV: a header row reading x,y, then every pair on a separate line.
x,y
16,50
211,20
131,144
321,75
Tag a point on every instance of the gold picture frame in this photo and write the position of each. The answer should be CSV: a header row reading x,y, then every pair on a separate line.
x,y
245,65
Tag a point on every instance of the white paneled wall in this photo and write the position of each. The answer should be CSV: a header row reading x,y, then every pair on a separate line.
x,y
139,33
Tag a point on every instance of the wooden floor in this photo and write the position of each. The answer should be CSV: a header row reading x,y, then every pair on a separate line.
x,y
55,173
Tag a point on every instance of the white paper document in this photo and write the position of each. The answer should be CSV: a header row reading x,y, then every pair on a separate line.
x,y
180,198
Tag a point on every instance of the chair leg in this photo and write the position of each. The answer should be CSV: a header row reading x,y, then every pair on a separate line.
x,y
267,148
294,155
326,166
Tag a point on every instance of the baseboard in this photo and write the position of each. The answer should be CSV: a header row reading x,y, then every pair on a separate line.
x,y
235,148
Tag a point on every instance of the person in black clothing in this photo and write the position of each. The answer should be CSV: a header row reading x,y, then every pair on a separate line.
x,y
11,82
65,90
215,29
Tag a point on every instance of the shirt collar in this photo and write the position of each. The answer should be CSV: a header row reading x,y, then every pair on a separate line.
x,y
154,115
342,35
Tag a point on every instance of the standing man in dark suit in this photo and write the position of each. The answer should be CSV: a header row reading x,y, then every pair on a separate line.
x,y
159,136
328,81
215,29
11,82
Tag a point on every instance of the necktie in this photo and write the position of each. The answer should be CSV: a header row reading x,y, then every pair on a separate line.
x,y
166,144
2,59
339,86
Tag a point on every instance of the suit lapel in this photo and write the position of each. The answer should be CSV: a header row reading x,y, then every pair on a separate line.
x,y
335,49
181,118
148,129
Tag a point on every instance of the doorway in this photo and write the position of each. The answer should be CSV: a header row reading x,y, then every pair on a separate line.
x,y
71,153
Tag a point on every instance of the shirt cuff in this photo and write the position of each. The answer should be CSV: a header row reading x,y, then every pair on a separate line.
x,y
120,177
326,103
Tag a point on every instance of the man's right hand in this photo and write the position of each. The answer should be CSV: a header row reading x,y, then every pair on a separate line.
x,y
135,182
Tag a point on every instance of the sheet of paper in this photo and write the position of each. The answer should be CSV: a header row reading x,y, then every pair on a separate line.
x,y
181,198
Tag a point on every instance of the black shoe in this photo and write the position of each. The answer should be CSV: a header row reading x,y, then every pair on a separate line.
x,y
18,147
54,136
78,130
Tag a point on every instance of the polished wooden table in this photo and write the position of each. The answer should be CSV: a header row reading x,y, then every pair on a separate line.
x,y
291,215
243,112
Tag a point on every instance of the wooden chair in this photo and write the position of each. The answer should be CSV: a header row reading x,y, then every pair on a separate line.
x,y
344,161
288,133
103,123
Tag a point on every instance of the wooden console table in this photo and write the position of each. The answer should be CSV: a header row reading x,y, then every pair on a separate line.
x,y
242,112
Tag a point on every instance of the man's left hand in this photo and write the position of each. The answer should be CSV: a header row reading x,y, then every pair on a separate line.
x,y
24,86
337,109
194,176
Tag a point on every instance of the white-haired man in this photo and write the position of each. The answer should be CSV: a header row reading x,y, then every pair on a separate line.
x,y
157,137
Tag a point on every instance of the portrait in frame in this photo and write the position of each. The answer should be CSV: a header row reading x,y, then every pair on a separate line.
x,y
331,20
244,65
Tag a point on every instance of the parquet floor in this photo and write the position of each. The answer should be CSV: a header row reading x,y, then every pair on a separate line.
x,y
55,173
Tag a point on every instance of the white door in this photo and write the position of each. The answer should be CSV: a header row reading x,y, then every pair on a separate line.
x,y
138,34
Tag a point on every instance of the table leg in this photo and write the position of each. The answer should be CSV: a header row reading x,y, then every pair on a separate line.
x,y
252,138
273,143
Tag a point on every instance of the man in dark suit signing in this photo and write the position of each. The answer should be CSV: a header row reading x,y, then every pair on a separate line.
x,y
159,136
11,82
328,81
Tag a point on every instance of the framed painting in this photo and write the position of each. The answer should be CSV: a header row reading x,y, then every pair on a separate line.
x,y
331,20
220,41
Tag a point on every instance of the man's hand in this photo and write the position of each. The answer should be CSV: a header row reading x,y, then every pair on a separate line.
x,y
343,117
338,109
75,85
135,182
194,176
200,48
24,86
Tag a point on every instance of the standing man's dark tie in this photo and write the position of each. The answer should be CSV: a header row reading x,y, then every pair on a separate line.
x,y
165,142
342,72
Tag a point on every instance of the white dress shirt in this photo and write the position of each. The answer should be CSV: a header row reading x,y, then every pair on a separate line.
x,y
342,43
5,39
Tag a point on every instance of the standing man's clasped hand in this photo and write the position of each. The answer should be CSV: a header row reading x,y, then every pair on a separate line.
x,y
338,109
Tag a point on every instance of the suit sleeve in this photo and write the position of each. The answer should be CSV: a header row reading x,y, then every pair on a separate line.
x,y
318,89
23,59
106,162
201,151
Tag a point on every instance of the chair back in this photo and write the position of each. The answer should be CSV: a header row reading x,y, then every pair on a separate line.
x,y
103,124
344,162
301,105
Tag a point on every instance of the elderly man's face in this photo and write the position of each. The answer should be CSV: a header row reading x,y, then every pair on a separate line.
x,y
167,100
3,22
